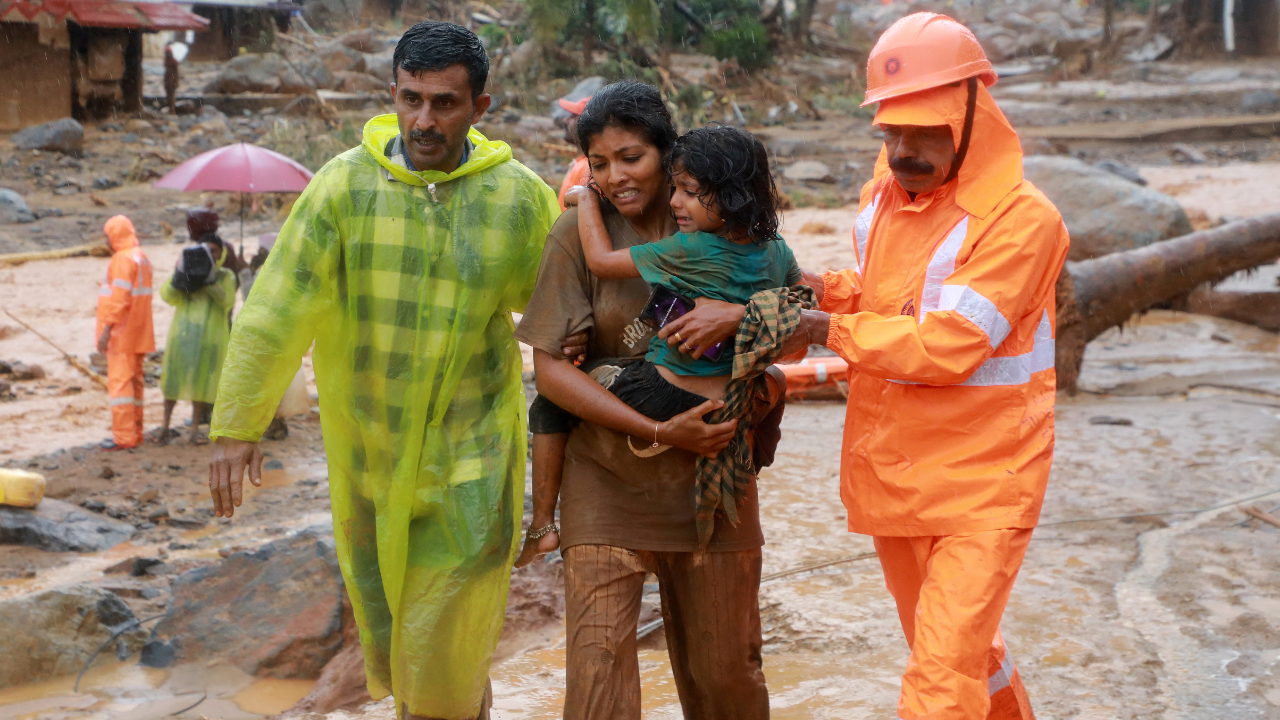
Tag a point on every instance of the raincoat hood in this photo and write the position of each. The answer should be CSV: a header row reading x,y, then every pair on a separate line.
x,y
381,130
120,232
993,166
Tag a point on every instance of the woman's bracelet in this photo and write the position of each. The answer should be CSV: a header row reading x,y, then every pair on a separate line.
x,y
655,435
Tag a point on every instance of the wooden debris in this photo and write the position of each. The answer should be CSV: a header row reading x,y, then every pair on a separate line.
x,y
1259,514
71,359
95,249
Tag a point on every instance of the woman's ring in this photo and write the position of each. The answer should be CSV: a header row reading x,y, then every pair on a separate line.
x,y
678,338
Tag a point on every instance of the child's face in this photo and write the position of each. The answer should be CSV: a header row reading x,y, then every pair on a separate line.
x,y
691,214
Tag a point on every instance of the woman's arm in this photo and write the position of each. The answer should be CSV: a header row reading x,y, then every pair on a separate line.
x,y
602,259
576,392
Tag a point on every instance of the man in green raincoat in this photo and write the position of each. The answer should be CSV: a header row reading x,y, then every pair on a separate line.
x,y
403,261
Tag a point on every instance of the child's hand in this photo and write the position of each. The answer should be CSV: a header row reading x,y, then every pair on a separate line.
x,y
579,195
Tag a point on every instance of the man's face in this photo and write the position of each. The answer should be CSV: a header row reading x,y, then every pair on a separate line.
x,y
435,111
920,156
571,130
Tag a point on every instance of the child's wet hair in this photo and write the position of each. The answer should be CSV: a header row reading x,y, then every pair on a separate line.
x,y
732,170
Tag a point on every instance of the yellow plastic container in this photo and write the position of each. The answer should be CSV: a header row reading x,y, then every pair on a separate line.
x,y
21,488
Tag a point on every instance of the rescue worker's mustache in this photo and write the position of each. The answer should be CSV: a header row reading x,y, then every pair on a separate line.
x,y
911,166
429,136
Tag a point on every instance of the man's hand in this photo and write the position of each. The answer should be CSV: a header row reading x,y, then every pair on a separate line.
x,y
574,347
104,339
226,473
710,322
813,280
688,431
815,325
579,195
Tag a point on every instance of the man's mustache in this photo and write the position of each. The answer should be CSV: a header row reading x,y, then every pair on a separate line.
x,y
911,166
431,136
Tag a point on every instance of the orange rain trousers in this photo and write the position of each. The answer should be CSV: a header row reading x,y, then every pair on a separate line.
x,y
951,591
124,387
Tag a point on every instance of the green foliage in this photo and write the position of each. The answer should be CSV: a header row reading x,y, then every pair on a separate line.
x,y
691,105
746,42
309,142
615,21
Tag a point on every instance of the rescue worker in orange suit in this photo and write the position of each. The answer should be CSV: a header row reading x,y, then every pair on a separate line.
x,y
947,323
579,172
124,331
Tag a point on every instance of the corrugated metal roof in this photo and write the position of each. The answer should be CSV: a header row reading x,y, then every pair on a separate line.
x,y
105,13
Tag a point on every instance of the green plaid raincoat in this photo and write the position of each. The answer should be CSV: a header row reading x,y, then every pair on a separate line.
x,y
406,283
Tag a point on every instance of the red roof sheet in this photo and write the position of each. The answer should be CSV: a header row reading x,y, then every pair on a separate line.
x,y
105,13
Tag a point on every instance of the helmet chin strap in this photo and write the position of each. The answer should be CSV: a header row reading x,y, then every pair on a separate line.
x,y
970,107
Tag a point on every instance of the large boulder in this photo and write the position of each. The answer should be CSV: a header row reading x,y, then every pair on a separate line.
x,y
379,64
13,209
340,58
273,612
57,526
1104,212
64,135
53,633
252,72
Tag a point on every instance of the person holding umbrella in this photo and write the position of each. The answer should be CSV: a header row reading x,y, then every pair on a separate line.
x,y
403,261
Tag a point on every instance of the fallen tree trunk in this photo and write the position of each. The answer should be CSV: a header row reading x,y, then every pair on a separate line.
x,y
1260,309
1098,294
97,249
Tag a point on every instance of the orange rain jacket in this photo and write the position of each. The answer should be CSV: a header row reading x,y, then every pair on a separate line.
x,y
124,298
579,173
947,322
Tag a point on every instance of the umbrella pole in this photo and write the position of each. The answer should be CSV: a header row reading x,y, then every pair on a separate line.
x,y
241,226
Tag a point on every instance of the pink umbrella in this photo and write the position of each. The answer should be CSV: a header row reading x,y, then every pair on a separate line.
x,y
241,168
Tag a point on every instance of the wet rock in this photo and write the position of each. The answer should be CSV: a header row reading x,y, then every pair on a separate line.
x,y
364,41
107,472
105,183
57,526
1213,76
273,612
56,631
535,128
1109,420
1104,213
809,170
252,72
1128,172
1182,152
65,136
1259,101
13,209
157,654
358,82
379,64
340,58
135,567
94,505
129,138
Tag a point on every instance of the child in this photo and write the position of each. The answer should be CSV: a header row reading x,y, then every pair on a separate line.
x,y
726,206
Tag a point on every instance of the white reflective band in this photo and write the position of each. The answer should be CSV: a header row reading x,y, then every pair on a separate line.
x,y
1003,676
123,401
861,230
941,267
1017,370
141,291
123,284
975,308
820,373
105,290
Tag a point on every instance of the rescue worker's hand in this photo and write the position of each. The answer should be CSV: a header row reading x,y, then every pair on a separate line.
x,y
574,347
688,431
579,195
226,473
710,322
815,326
813,280
104,339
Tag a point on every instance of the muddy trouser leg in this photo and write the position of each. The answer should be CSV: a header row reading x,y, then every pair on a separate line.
x,y
367,578
711,613
951,592
602,587
124,388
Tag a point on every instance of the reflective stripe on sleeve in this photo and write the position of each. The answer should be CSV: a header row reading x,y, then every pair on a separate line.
x,y
104,290
141,291
122,284
1018,369
1003,676
123,401
975,308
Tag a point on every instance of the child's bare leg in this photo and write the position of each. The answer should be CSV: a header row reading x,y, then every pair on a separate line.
x,y
548,465
168,416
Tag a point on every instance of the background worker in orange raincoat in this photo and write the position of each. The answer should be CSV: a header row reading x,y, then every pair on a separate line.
x,y
579,173
124,331
947,323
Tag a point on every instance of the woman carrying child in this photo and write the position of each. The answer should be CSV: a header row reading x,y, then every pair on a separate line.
x,y
627,507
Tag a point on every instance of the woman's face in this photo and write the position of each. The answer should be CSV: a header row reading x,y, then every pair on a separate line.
x,y
628,170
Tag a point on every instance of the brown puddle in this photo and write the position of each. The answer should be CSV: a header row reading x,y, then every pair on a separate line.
x,y
269,696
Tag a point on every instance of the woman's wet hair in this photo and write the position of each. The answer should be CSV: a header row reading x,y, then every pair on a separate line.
x,y
732,170
632,106
435,45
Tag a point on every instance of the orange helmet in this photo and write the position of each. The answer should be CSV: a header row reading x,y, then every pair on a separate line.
x,y
922,51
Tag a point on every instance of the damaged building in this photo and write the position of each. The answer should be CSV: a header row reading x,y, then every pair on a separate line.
x,y
78,58
235,24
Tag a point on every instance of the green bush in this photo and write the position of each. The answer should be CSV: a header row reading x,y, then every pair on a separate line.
x,y
746,42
